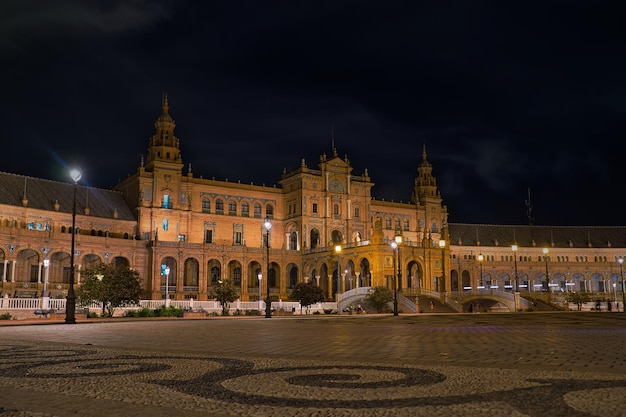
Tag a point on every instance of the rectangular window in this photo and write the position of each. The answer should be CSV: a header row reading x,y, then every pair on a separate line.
x,y
238,238
357,213
314,209
208,236
165,224
34,273
183,197
146,193
166,201
181,238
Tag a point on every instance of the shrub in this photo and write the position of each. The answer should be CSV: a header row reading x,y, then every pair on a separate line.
x,y
6,316
252,313
168,312
92,315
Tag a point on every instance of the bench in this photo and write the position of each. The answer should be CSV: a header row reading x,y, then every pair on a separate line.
x,y
43,313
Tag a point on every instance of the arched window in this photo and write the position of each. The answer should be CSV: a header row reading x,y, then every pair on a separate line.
x,y
257,210
336,209
232,208
206,205
215,275
219,206
245,209
406,224
293,241
237,276
387,223
397,224
269,211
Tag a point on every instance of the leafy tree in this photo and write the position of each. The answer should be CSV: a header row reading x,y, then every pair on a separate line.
x,y
306,293
225,293
111,286
579,298
379,297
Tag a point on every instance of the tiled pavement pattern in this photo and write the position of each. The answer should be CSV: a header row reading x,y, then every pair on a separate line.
x,y
524,364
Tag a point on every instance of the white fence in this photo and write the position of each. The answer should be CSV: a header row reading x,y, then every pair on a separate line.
x,y
58,304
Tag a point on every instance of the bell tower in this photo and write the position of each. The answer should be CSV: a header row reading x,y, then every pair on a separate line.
x,y
432,214
164,147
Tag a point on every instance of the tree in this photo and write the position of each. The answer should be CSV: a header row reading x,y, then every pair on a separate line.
x,y
379,297
306,293
225,293
578,298
111,286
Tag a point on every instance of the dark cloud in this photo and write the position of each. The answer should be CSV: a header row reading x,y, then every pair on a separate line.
x,y
505,96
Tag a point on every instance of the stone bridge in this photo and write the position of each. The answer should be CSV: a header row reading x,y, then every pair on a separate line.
x,y
462,302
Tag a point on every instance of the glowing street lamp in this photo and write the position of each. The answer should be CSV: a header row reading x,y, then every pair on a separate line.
x,y
268,303
338,251
545,256
260,277
514,249
398,239
70,304
394,245
167,286
481,258
442,245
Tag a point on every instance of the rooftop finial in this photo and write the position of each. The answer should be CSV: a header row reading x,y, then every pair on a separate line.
x,y
165,104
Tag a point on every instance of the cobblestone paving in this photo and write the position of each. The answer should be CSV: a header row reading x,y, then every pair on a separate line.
x,y
568,364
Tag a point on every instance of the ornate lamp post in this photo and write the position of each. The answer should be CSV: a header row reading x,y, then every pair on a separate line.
x,y
398,239
545,256
394,245
260,277
70,306
514,249
268,302
338,289
442,245
481,258
45,299
167,286
621,271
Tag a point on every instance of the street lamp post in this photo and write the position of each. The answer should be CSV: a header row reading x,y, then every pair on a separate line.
x,y
45,298
268,302
481,258
514,249
398,239
442,245
260,277
338,288
394,245
545,256
70,306
621,271
167,286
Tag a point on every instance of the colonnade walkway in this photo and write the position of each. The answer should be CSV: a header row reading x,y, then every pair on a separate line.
x,y
518,364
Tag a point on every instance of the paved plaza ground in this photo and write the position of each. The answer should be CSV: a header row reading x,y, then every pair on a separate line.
x,y
520,364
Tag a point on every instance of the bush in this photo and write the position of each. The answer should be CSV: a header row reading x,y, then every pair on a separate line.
x,y
92,315
6,316
252,313
144,312
168,312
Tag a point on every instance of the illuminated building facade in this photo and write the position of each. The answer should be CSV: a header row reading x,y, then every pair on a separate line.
x,y
206,230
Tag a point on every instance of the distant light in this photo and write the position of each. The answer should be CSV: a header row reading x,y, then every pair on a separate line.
x,y
75,174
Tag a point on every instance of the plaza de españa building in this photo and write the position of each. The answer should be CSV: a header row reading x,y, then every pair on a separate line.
x,y
325,228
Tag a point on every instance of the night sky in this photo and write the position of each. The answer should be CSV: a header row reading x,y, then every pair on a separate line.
x,y
505,95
